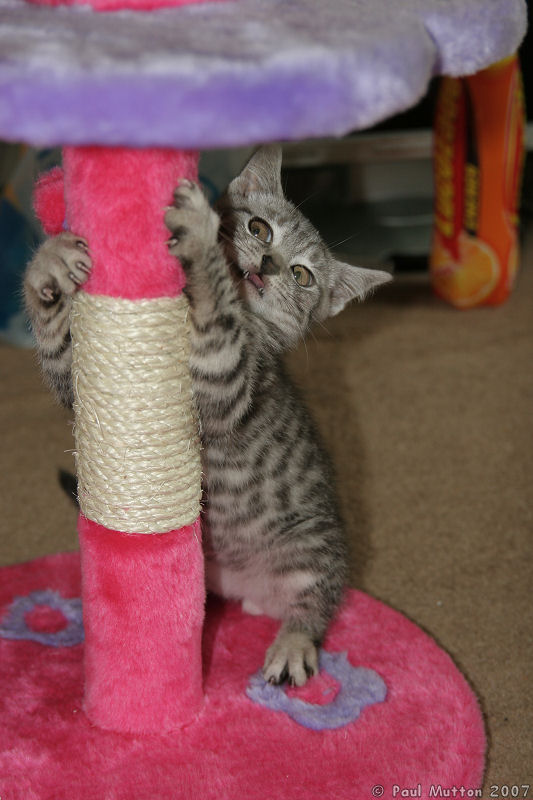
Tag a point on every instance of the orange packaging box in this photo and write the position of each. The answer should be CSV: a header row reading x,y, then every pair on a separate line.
x,y
478,159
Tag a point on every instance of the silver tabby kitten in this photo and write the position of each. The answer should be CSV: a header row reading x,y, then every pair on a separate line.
x,y
258,276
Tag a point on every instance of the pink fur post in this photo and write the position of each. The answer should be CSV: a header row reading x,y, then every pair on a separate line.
x,y
115,197
143,609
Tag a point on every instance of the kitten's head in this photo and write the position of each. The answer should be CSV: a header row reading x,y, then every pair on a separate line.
x,y
285,271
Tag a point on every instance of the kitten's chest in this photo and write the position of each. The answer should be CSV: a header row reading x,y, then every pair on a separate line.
x,y
240,490
234,484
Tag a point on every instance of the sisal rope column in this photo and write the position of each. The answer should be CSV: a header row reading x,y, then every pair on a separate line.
x,y
136,433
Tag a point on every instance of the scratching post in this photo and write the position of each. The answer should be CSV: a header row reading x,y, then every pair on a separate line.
x,y
137,447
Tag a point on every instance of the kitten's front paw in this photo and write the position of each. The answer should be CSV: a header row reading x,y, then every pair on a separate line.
x,y
192,223
62,264
293,657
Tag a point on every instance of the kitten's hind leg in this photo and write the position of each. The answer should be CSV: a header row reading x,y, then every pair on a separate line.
x,y
293,657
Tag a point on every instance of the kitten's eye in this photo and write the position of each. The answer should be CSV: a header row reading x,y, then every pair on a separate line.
x,y
303,276
260,229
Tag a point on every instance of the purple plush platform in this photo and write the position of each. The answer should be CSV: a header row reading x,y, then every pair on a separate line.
x,y
235,73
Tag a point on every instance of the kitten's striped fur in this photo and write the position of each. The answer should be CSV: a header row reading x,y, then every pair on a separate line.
x,y
273,536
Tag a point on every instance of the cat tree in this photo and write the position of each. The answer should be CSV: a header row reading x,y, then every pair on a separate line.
x,y
174,706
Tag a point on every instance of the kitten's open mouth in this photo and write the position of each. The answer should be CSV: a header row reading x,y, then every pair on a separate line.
x,y
256,279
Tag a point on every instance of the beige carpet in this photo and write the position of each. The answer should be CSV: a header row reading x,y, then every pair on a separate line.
x,y
428,413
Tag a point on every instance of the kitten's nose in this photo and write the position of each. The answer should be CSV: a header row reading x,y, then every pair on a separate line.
x,y
269,266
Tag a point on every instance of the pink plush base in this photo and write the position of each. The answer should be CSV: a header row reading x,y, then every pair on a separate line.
x,y
428,732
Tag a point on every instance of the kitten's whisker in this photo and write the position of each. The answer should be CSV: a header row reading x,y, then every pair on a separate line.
x,y
226,235
313,194
302,337
324,326
306,350
312,334
227,238
289,310
343,241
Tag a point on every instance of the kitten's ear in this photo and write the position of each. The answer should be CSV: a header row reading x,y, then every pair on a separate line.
x,y
262,173
354,283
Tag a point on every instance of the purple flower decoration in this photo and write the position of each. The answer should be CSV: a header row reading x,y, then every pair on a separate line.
x,y
359,687
15,625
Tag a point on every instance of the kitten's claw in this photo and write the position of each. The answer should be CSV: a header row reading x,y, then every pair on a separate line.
x,y
276,680
182,191
310,670
60,267
47,294
293,657
192,223
76,279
